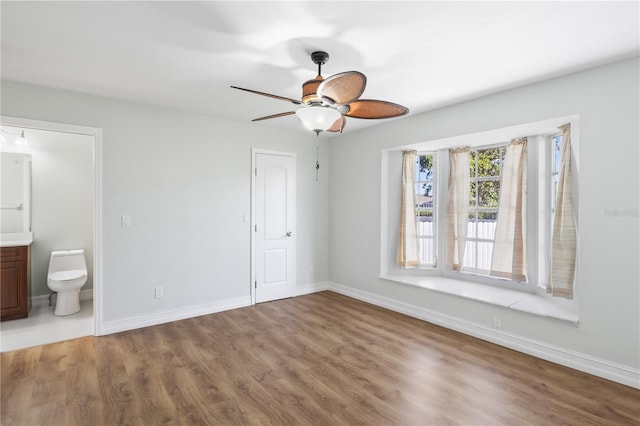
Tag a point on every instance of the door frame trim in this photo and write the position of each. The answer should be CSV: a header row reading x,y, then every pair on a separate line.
x,y
96,133
254,153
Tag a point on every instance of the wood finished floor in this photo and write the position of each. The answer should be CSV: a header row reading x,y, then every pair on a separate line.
x,y
319,359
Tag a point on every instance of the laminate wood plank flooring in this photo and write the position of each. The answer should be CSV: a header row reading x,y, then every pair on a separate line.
x,y
319,359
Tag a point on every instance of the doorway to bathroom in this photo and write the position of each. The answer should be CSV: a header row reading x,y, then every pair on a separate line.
x,y
65,215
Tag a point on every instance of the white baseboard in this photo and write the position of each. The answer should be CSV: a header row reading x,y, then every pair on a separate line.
x,y
586,363
191,311
312,288
43,299
173,315
582,362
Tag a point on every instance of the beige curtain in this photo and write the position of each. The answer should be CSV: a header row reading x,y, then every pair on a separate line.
x,y
508,259
407,255
457,208
562,261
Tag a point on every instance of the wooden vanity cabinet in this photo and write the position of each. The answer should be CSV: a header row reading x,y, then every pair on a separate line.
x,y
15,282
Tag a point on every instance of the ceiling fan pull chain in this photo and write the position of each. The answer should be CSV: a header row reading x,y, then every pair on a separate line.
x,y
317,155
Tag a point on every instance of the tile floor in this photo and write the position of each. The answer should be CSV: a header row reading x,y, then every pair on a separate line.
x,y
42,327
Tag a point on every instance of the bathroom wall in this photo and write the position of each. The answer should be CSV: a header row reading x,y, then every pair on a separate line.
x,y
14,192
62,216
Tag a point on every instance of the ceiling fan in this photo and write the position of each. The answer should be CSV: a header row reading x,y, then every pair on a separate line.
x,y
327,102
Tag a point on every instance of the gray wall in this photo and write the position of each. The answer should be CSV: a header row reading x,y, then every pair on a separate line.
x,y
185,180
607,100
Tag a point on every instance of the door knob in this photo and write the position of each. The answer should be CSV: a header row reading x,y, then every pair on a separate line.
x,y
289,234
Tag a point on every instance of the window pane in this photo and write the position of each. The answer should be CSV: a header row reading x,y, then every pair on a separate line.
x,y
418,193
557,140
425,223
426,189
486,227
472,225
469,260
490,215
488,193
424,193
427,252
484,251
423,196
478,255
489,162
425,167
472,194
555,166
425,215
472,164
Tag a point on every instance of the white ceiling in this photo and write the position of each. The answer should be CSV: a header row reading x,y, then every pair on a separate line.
x,y
423,55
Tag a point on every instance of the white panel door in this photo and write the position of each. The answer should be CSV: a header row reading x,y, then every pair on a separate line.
x,y
274,229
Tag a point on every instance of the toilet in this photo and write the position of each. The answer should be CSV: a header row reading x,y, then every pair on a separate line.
x,y
67,274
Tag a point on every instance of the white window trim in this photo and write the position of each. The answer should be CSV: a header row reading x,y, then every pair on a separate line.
x,y
491,290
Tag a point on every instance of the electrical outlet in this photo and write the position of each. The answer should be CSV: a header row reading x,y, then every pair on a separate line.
x,y
159,292
497,324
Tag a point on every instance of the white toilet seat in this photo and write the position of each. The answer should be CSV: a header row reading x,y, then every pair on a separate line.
x,y
65,276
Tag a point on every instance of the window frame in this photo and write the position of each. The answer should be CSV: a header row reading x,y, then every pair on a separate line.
x,y
536,269
536,147
477,209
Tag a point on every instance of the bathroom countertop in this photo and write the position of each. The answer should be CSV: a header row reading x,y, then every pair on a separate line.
x,y
16,239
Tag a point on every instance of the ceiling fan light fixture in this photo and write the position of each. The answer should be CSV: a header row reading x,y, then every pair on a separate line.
x,y
318,118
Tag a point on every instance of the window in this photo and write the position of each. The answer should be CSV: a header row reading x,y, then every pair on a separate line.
x,y
485,166
485,171
556,141
543,264
489,163
425,213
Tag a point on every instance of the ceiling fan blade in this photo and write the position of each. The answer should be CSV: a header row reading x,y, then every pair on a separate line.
x,y
373,109
343,87
338,126
267,117
282,98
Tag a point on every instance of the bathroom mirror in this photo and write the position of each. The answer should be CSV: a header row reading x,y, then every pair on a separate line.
x,y
15,192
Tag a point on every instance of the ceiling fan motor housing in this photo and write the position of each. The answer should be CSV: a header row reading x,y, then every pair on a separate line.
x,y
310,89
319,57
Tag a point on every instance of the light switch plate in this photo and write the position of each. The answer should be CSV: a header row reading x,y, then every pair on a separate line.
x,y
125,221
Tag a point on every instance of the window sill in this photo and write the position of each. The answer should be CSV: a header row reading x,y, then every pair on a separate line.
x,y
557,308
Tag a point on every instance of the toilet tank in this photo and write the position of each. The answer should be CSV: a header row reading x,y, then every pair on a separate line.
x,y
67,260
